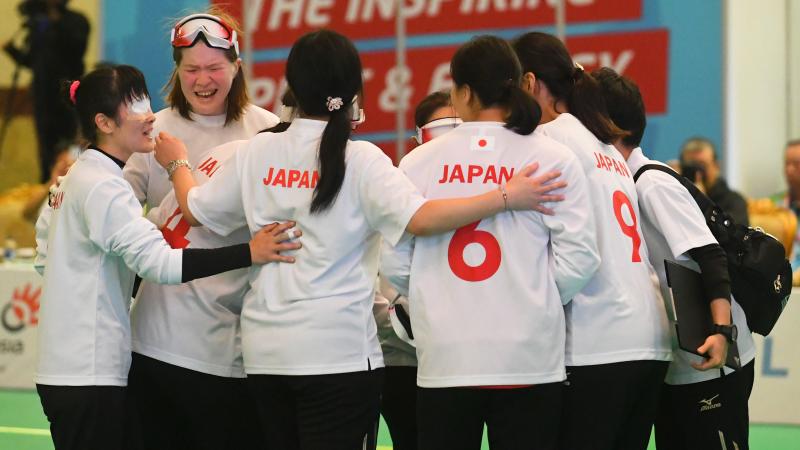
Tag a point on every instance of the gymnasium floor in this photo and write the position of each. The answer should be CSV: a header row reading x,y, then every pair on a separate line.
x,y
23,427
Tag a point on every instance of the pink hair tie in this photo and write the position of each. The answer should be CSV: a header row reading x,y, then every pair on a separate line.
x,y
72,89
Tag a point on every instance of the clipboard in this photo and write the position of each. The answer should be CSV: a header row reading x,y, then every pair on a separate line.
x,y
691,315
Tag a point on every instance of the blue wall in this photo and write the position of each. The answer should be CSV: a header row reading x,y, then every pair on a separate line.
x,y
136,32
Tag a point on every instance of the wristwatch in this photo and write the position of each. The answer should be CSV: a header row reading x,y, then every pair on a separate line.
x,y
174,164
729,331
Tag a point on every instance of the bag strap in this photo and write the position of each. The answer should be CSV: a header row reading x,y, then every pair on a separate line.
x,y
702,200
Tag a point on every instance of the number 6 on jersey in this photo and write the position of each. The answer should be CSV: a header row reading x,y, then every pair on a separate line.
x,y
469,234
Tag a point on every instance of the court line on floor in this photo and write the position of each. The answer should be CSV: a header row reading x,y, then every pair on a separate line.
x,y
27,431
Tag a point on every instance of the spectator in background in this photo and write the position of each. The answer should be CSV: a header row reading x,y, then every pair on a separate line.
x,y
790,198
699,163
53,50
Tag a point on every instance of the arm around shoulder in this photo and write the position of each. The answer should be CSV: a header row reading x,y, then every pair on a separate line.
x,y
522,192
116,225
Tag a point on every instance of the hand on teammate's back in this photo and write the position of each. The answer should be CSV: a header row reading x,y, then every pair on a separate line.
x,y
169,148
268,243
526,192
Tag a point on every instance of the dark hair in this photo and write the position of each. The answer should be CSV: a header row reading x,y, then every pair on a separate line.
x,y
237,98
695,143
277,128
487,65
286,100
428,105
324,65
102,91
548,59
792,143
624,102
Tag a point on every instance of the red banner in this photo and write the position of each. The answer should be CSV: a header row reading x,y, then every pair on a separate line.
x,y
278,23
641,55
429,70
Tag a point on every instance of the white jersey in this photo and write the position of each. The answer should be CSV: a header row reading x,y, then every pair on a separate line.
x,y
42,228
313,316
673,224
96,236
202,133
486,300
619,316
210,307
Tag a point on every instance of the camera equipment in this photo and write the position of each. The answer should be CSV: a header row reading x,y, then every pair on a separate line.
x,y
31,8
8,113
691,169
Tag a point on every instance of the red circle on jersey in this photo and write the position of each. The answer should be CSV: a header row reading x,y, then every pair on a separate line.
x,y
482,143
464,236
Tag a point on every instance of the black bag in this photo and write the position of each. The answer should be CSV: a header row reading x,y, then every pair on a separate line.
x,y
761,277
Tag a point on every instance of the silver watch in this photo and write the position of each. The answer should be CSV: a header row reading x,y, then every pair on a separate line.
x,y
174,164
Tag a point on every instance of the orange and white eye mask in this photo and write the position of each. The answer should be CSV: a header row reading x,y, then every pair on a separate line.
x,y
216,32
436,128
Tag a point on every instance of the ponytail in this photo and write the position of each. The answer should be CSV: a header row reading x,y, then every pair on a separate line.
x,y
324,76
331,160
587,102
524,112
279,128
546,57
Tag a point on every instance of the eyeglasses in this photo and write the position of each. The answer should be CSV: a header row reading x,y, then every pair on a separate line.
x,y
436,128
216,32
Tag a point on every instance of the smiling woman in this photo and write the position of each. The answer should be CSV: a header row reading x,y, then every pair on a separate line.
x,y
205,77
195,372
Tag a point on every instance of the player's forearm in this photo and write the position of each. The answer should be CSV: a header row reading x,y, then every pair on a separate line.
x,y
395,268
714,267
204,262
721,311
182,183
439,216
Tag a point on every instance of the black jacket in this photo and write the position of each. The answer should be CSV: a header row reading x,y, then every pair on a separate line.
x,y
730,201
